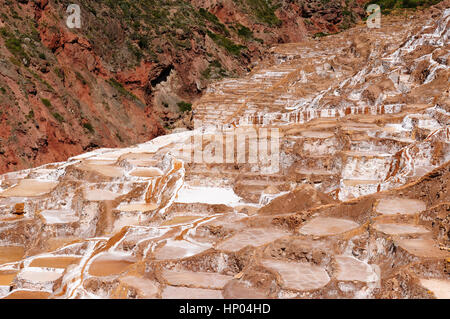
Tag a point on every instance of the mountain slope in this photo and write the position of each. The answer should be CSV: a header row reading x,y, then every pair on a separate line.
x,y
133,68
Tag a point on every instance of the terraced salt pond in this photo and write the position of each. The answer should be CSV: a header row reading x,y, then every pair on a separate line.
x,y
299,276
105,170
439,287
58,242
252,237
10,254
196,279
147,289
215,195
146,172
177,220
400,229
6,278
54,261
241,290
29,188
423,247
95,195
28,294
177,249
38,275
327,226
391,206
108,264
352,269
59,216
137,207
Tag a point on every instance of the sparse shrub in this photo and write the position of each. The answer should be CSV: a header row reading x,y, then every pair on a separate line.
x,y
184,106
411,3
14,46
37,77
15,61
89,127
245,32
59,72
214,71
46,102
80,78
320,34
143,43
30,115
119,87
388,5
214,20
264,11
226,43
58,117
4,32
35,35
136,51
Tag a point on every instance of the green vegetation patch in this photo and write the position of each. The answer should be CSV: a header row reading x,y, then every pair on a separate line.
x,y
49,105
214,71
120,88
389,5
226,43
13,44
263,11
80,78
214,20
89,127
58,117
37,77
30,115
46,102
184,106
320,34
244,32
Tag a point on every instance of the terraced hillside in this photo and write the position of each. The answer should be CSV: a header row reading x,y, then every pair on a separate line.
x,y
352,199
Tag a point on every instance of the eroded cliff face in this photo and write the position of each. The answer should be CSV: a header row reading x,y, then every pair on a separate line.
x,y
352,201
133,68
